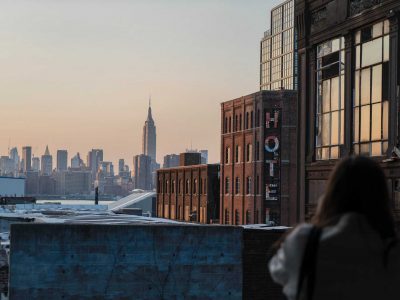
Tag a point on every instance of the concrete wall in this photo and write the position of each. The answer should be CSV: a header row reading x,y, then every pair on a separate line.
x,y
12,186
58,261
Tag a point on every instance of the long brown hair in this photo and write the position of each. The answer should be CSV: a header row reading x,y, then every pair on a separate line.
x,y
357,184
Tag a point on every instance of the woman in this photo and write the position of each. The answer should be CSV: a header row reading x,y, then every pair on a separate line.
x,y
352,250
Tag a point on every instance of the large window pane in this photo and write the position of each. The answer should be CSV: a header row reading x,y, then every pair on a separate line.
x,y
335,125
365,123
335,93
376,84
357,89
372,52
376,149
356,124
326,129
376,122
326,96
365,86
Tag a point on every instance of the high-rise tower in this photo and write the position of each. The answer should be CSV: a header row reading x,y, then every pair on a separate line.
x,y
149,136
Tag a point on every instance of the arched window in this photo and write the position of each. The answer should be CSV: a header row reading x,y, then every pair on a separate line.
x,y
187,186
247,120
251,119
226,216
227,155
173,187
237,154
236,123
227,187
237,218
248,186
230,124
201,186
195,186
247,217
237,185
249,152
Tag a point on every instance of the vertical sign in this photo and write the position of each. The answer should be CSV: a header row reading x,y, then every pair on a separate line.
x,y
272,150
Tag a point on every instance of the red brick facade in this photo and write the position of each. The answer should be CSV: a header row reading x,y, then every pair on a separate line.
x,y
189,193
258,159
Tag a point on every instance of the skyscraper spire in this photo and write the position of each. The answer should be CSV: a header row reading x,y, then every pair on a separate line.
x,y
47,152
149,115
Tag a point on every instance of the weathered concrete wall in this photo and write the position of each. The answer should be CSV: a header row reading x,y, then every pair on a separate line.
x,y
51,261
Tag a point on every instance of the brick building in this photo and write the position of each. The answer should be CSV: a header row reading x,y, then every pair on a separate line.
x,y
259,159
348,90
189,192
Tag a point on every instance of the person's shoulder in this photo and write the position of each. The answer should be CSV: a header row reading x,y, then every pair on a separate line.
x,y
299,235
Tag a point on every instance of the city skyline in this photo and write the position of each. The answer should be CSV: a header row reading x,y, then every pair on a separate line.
x,y
73,81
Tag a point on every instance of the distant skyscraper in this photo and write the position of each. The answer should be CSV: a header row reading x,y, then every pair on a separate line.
x,y
93,160
47,163
204,156
36,164
15,157
121,166
62,160
149,136
142,172
171,161
27,157
278,61
76,161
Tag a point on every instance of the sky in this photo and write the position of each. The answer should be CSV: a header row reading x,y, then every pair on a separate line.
x,y
78,74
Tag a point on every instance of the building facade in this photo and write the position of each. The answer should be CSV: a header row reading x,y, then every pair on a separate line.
x,y
27,159
73,182
62,160
171,161
189,193
258,159
348,90
46,163
278,58
142,172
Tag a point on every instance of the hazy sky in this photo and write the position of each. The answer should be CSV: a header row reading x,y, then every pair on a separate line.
x,y
77,74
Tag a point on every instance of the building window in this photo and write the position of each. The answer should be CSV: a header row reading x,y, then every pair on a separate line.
x,y
249,152
247,217
225,125
166,186
180,186
330,99
201,186
237,154
236,123
246,121
237,218
227,155
227,187
240,122
371,90
205,186
226,216
251,119
187,186
195,186
237,185
159,186
230,124
173,187
248,186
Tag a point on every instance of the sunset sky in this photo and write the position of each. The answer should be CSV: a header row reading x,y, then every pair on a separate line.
x,y
77,74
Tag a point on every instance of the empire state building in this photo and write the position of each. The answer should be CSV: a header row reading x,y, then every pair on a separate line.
x,y
149,136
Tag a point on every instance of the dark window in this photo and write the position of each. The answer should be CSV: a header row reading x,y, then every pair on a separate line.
x,y
237,218
249,153
251,119
195,186
187,186
247,120
240,122
247,217
237,185
237,154
173,187
248,186
226,216
227,155
230,124
227,188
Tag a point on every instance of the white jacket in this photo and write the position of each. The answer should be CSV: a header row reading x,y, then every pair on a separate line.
x,y
349,263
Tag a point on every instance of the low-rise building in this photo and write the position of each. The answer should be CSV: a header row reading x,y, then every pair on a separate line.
x,y
189,192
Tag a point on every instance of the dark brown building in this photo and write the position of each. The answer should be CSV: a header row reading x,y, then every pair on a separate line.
x,y
258,159
189,192
348,89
